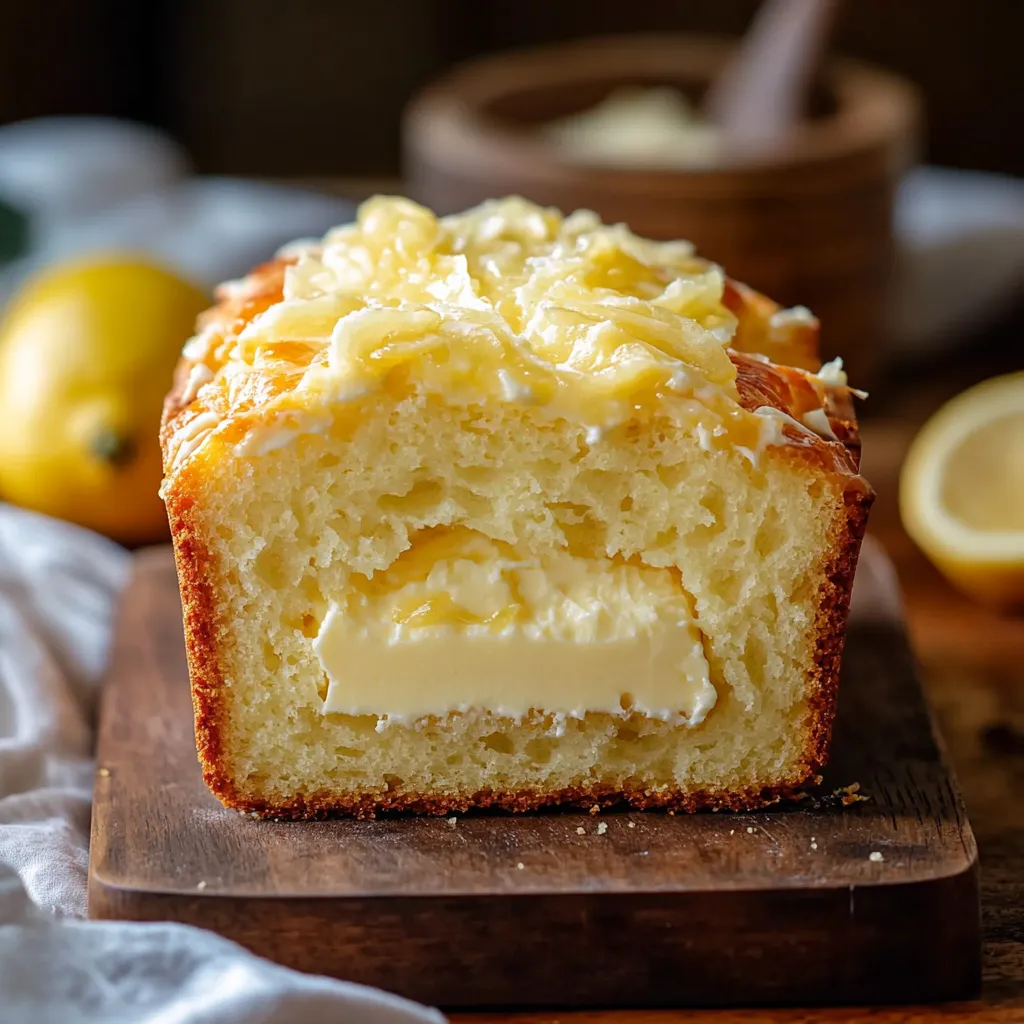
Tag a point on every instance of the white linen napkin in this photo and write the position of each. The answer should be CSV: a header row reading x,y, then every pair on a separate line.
x,y
58,588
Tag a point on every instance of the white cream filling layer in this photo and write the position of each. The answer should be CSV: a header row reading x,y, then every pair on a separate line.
x,y
492,634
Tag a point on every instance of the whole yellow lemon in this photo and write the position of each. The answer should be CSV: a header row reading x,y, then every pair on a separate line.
x,y
87,353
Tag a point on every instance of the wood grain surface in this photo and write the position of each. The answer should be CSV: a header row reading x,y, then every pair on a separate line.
x,y
777,907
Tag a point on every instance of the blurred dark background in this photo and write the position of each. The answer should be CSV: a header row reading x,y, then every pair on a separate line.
x,y
314,87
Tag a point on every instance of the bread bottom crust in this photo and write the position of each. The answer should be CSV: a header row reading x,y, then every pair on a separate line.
x,y
591,798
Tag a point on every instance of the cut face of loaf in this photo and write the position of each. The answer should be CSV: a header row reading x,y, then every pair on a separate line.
x,y
753,561
409,597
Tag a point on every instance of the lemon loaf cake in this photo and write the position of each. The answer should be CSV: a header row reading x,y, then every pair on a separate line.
x,y
508,509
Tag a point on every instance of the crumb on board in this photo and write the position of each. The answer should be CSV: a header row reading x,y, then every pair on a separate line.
x,y
750,831
875,857
104,772
520,866
844,796
595,809
200,886
581,831
453,822
631,824
602,827
732,831
814,845
851,794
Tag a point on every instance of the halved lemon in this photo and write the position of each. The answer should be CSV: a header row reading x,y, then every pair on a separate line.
x,y
962,490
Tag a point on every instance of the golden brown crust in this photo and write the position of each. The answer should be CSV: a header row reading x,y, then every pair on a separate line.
x,y
263,287
759,384
833,605
791,343
202,634
790,391
306,807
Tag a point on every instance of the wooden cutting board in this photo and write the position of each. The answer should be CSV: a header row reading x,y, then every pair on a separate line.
x,y
873,902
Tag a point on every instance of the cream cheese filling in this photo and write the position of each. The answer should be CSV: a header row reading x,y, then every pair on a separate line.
x,y
464,626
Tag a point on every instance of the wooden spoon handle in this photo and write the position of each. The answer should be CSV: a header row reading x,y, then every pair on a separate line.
x,y
760,94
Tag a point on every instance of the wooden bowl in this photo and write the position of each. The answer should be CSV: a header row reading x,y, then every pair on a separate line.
x,y
809,224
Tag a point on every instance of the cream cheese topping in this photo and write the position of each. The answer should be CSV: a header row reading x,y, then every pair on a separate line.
x,y
198,375
509,302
